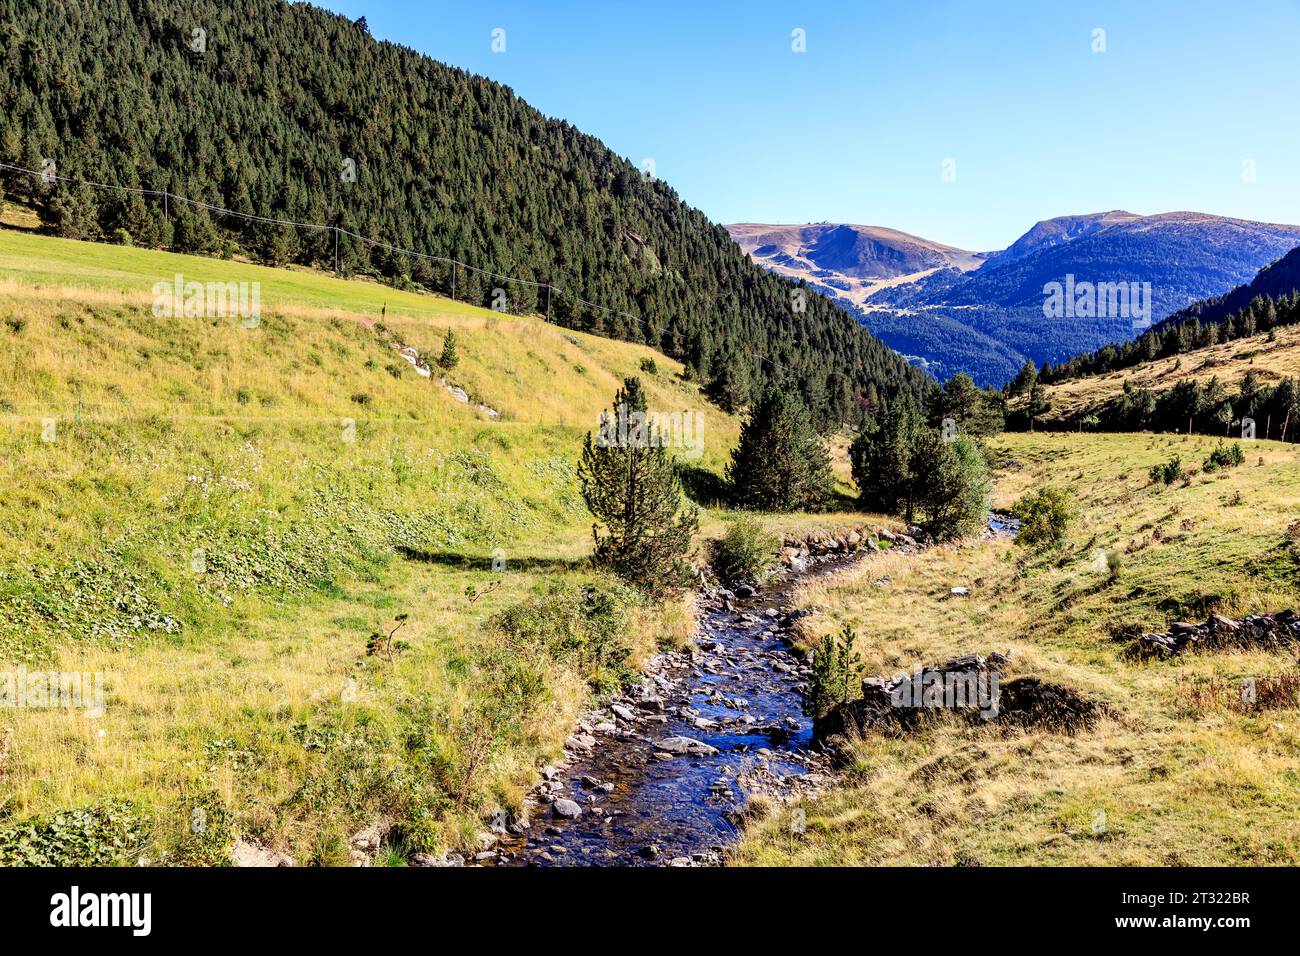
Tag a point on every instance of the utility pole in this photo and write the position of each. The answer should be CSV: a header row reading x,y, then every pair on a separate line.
x,y
548,302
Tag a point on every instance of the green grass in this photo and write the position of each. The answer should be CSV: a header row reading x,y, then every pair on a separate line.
x,y
205,530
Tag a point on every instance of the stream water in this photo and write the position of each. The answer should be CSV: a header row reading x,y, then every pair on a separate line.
x,y
737,694
734,699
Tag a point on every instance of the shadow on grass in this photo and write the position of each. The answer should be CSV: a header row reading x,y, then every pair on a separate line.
x,y
704,487
481,562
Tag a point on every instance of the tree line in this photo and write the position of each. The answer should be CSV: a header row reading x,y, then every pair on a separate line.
x,y
924,464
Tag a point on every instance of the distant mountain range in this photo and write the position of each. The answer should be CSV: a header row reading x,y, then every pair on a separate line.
x,y
953,310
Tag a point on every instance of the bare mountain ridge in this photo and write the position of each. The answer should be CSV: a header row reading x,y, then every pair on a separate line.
x,y
845,260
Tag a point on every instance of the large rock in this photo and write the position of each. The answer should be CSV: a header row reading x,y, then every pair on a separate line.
x,y
566,809
685,745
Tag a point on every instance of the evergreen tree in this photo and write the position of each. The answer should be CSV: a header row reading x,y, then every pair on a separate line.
x,y
881,456
1025,379
953,485
451,173
780,462
730,386
974,411
642,533
450,357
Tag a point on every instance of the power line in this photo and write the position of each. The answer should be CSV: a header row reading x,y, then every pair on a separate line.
x,y
166,196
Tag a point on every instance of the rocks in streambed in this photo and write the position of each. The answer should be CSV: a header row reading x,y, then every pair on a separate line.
x,y
1269,632
566,809
685,745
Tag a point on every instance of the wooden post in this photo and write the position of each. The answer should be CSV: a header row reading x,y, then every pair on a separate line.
x,y
548,302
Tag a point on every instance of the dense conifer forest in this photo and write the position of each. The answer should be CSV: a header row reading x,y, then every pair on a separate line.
x,y
289,112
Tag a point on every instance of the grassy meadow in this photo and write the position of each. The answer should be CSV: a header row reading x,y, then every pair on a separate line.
x,y
217,518
1174,776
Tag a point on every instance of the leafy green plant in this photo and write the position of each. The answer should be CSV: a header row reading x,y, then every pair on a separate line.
x,y
383,644
1167,473
108,834
1045,516
747,552
836,667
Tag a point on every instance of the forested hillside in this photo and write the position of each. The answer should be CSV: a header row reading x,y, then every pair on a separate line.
x,y
258,106
1175,258
1268,301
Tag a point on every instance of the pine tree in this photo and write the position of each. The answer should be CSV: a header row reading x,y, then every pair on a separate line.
x,y
450,357
642,532
780,462
881,456
1025,379
952,485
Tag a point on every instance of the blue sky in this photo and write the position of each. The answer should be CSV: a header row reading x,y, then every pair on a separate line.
x,y
857,128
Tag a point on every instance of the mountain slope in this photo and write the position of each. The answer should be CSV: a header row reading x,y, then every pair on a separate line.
x,y
1275,280
989,320
844,261
290,112
1268,300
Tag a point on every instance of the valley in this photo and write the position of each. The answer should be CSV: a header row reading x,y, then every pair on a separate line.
x,y
394,474
983,313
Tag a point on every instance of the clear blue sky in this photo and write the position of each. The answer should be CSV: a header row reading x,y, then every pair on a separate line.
x,y
856,128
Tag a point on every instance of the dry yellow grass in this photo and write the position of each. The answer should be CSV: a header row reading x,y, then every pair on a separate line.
x,y
1230,361
1161,782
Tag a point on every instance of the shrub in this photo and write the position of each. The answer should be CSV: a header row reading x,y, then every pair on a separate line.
x,y
1045,516
648,366
746,552
1168,473
582,626
1225,456
835,668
